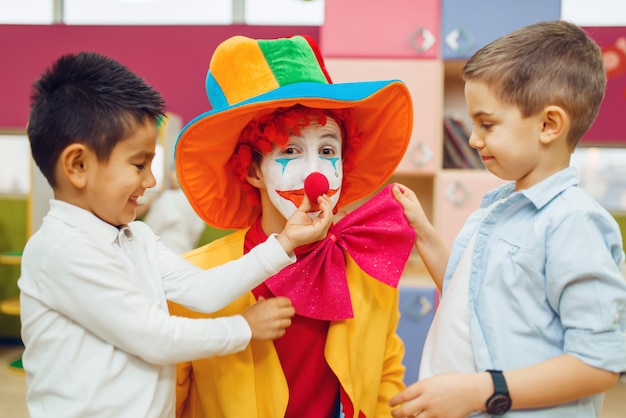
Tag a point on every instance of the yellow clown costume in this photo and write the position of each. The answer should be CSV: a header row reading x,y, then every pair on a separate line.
x,y
248,78
251,383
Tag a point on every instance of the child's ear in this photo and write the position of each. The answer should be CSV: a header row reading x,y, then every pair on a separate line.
x,y
556,124
74,164
255,177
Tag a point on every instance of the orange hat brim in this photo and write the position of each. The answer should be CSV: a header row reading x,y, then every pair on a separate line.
x,y
383,112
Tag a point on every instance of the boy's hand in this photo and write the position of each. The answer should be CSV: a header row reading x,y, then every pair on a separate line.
x,y
301,229
412,209
429,245
443,396
268,318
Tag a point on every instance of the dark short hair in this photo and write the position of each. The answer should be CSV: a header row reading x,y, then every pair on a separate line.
x,y
91,99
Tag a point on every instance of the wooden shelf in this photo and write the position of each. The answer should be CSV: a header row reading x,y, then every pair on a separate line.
x,y
10,306
13,258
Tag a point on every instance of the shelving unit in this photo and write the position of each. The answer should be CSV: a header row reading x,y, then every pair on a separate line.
x,y
366,40
383,47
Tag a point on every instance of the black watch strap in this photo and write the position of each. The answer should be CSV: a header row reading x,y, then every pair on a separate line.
x,y
499,383
500,402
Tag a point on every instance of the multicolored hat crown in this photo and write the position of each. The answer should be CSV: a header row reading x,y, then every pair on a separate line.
x,y
265,65
248,77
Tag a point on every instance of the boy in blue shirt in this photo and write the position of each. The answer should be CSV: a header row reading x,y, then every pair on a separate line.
x,y
533,315
99,340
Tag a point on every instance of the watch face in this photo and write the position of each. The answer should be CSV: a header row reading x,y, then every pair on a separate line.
x,y
498,404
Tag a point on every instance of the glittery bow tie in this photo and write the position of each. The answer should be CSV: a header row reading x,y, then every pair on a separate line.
x,y
376,235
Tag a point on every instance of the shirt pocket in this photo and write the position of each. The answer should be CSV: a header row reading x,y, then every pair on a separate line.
x,y
519,263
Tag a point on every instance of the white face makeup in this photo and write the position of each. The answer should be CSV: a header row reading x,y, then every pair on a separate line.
x,y
317,148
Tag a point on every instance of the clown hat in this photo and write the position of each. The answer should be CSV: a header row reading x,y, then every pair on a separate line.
x,y
247,77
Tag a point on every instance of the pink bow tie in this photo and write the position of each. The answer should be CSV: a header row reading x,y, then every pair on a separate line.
x,y
376,235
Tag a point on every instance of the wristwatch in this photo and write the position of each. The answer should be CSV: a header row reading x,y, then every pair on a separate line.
x,y
500,402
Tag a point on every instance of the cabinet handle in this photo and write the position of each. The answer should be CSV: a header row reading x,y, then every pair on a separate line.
x,y
422,40
417,307
420,155
460,40
457,194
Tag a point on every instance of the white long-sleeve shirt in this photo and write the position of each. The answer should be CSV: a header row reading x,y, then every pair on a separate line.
x,y
99,341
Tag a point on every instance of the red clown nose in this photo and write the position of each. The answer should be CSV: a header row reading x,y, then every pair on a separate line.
x,y
315,185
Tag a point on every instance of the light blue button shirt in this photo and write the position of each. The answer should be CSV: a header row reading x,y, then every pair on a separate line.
x,y
545,280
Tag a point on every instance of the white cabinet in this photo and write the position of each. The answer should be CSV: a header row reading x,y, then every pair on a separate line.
x,y
144,12
284,12
594,13
20,12
193,12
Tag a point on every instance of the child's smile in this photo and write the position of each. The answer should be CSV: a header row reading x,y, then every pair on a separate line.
x,y
115,185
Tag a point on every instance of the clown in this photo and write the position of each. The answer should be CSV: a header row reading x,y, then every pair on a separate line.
x,y
277,119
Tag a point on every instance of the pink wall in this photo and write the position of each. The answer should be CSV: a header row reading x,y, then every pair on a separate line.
x,y
173,59
608,128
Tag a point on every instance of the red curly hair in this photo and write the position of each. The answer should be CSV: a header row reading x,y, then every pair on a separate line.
x,y
263,133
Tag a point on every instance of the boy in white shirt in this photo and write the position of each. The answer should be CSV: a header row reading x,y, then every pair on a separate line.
x,y
99,340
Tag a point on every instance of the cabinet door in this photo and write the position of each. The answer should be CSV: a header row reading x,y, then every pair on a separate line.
x,y
284,12
458,194
417,309
423,79
608,128
374,28
466,26
30,12
163,12
594,13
